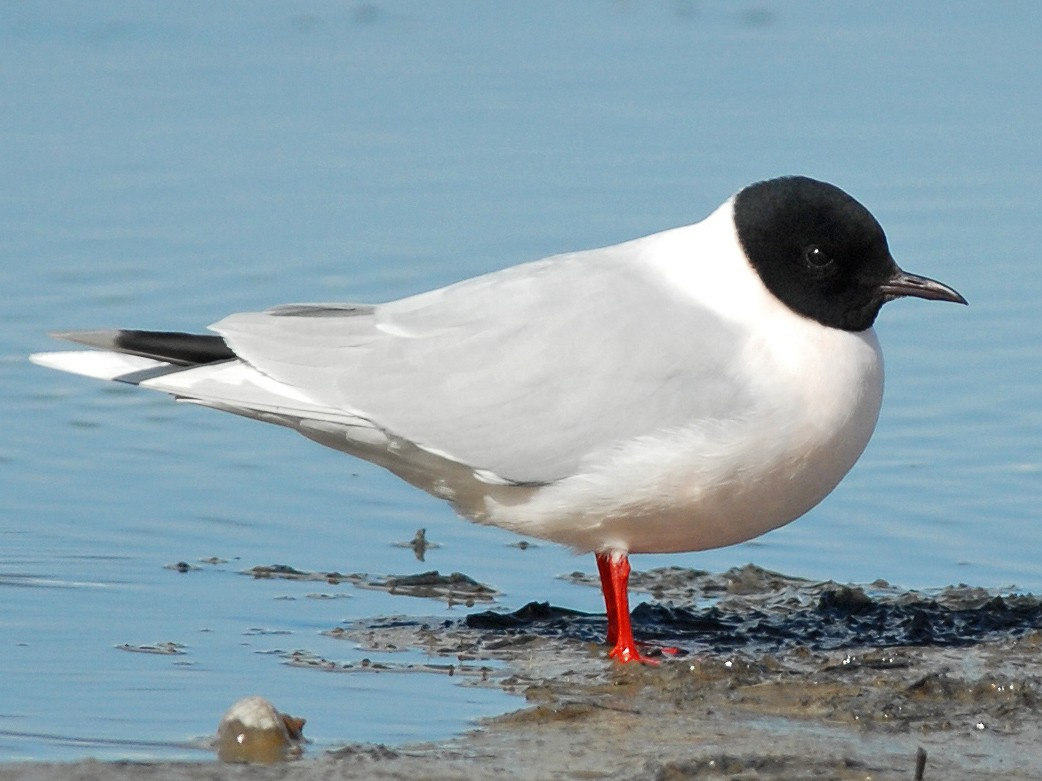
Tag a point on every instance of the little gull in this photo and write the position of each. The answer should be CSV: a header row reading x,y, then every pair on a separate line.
x,y
682,391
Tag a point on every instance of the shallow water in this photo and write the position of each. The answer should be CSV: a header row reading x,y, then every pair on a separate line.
x,y
162,166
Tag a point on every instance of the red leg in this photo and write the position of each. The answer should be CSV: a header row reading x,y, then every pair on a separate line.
x,y
608,589
614,569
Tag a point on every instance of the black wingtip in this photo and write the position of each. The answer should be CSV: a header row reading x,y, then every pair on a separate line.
x,y
172,346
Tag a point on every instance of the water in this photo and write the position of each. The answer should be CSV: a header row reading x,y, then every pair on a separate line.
x,y
164,165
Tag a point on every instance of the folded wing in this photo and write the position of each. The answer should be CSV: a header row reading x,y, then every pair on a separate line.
x,y
506,373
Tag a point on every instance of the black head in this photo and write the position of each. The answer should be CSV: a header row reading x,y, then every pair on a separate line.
x,y
823,254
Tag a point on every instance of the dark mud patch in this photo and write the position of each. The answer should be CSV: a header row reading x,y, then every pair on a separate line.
x,y
758,611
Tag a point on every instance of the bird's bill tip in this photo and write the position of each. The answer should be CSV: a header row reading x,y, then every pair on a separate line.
x,y
905,284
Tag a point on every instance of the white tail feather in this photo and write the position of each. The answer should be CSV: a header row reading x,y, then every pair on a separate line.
x,y
100,365
232,386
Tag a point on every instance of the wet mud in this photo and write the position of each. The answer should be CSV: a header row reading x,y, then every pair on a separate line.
x,y
761,676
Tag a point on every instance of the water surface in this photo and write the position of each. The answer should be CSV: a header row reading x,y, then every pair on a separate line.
x,y
162,166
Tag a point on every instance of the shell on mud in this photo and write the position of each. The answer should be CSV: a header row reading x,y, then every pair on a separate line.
x,y
254,731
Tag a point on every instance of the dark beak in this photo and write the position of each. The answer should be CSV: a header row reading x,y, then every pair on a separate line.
x,y
904,284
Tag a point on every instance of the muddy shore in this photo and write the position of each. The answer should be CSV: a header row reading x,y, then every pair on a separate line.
x,y
761,677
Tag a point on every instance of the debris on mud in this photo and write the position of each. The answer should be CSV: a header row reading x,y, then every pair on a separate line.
x,y
167,648
454,589
419,544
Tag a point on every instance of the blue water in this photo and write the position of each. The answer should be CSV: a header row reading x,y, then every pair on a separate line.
x,y
164,164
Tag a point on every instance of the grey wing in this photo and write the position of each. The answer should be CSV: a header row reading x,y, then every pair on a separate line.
x,y
523,373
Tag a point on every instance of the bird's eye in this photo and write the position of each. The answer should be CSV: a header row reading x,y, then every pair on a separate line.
x,y
816,257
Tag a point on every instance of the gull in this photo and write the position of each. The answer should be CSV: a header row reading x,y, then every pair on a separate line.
x,y
686,390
